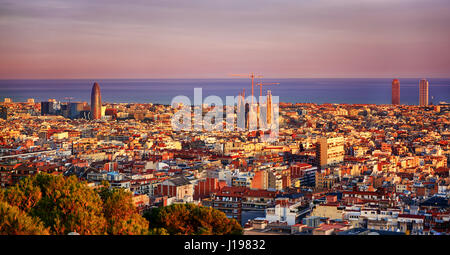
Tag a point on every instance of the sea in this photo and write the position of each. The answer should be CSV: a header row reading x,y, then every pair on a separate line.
x,y
162,91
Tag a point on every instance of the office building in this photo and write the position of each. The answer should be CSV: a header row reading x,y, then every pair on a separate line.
x,y
51,107
396,91
96,102
76,108
423,92
329,151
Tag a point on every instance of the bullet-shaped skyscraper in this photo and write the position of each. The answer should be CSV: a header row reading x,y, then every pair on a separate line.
x,y
96,102
395,91
423,92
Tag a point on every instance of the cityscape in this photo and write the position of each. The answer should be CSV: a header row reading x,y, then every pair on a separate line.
x,y
334,169
144,119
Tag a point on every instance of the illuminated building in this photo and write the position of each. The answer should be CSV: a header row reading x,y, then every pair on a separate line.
x,y
423,92
96,102
395,91
329,151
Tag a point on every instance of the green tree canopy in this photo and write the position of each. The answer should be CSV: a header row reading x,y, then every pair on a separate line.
x,y
54,204
190,219
121,214
64,205
68,205
13,221
24,195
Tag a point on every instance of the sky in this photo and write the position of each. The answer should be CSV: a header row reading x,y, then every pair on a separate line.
x,y
53,39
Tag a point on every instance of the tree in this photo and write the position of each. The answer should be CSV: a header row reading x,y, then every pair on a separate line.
x,y
13,221
121,214
65,205
190,219
158,231
24,195
68,205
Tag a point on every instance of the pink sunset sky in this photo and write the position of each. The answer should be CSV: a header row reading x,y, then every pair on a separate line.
x,y
213,38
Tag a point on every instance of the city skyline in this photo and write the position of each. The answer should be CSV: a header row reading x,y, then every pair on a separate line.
x,y
208,39
337,88
145,118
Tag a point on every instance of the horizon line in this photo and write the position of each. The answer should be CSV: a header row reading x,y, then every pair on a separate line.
x,y
230,78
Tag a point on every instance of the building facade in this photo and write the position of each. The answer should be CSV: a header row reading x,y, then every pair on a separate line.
x,y
329,151
96,102
396,92
423,92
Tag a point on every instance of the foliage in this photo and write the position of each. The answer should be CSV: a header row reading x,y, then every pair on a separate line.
x,y
158,231
24,195
68,205
53,204
13,221
121,214
190,219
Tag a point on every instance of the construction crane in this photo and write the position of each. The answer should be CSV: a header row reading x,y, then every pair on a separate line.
x,y
251,76
260,84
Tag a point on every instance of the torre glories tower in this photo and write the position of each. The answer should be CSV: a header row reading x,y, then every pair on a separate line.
x,y
96,102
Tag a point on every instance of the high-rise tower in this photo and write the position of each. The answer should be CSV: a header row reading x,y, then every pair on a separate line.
x,y
96,102
423,92
395,91
269,107
329,151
